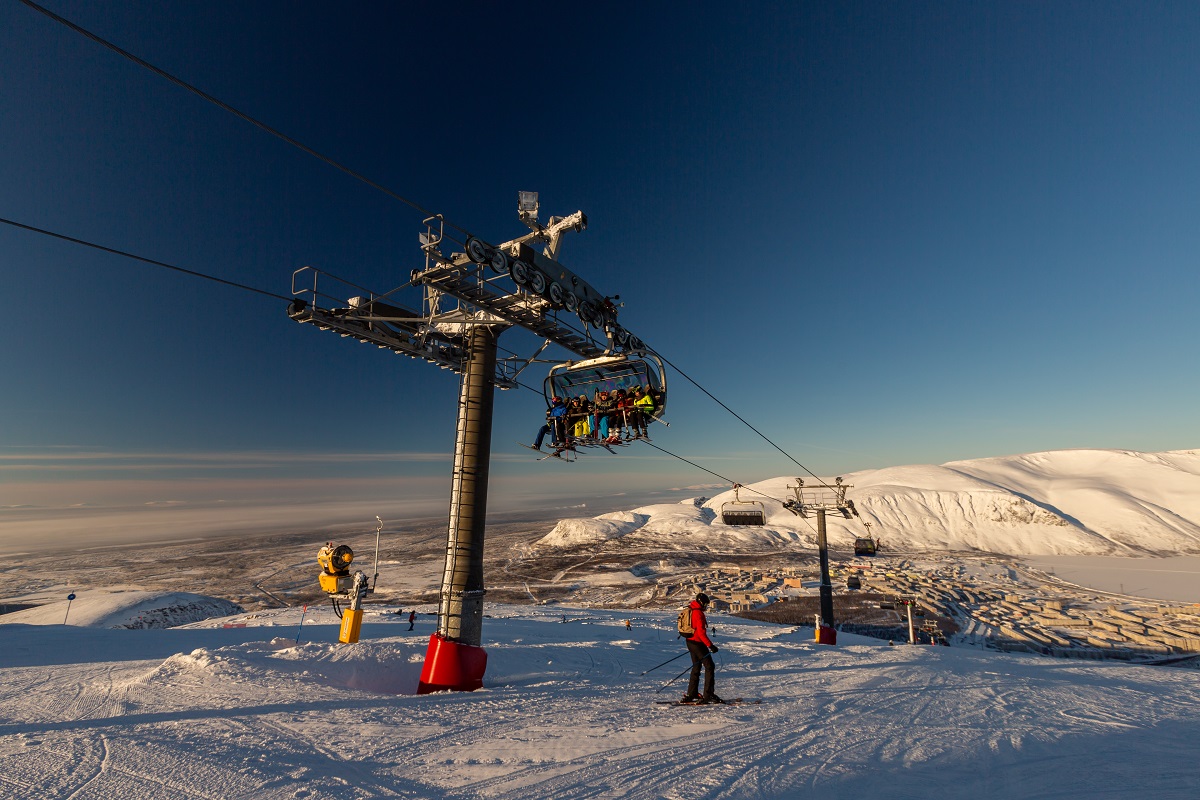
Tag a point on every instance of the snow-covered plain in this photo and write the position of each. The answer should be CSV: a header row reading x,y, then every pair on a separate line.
x,y
208,711
1065,502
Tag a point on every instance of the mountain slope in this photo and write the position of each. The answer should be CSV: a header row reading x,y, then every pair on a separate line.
x,y
1085,502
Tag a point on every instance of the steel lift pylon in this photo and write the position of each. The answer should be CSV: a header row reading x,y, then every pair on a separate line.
x,y
470,298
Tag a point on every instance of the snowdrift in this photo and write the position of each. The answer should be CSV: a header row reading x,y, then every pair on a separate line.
x,y
134,609
1067,502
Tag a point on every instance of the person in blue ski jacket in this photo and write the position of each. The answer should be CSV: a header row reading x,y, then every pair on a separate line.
x,y
555,424
701,648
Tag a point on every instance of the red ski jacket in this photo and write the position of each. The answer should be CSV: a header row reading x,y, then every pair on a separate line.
x,y
699,624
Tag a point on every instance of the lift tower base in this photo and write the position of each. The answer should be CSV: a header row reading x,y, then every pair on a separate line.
x,y
454,660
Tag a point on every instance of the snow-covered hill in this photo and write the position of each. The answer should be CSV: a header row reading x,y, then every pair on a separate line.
x,y
1076,502
132,609
569,711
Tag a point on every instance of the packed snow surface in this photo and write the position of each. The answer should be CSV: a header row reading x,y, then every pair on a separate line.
x,y
1066,502
214,710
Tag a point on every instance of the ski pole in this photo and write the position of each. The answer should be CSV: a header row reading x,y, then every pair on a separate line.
x,y
668,661
668,683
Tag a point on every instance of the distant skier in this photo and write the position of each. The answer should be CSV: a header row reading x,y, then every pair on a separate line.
x,y
412,619
700,649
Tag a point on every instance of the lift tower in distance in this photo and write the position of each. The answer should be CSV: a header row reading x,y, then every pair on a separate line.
x,y
464,302
819,499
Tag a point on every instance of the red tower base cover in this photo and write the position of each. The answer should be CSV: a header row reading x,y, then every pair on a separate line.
x,y
826,635
452,666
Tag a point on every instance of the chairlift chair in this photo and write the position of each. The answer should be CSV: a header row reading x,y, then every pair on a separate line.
x,y
609,373
743,512
864,546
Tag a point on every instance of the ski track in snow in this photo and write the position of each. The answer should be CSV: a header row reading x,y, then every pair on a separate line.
x,y
566,715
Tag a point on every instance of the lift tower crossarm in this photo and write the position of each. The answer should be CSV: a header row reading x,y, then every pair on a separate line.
x,y
457,281
387,332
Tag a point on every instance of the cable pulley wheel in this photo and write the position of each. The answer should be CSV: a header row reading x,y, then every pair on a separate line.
x,y
588,313
501,262
538,281
520,273
555,293
571,302
477,251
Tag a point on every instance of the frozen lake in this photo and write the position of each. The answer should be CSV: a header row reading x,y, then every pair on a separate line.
x,y
1176,579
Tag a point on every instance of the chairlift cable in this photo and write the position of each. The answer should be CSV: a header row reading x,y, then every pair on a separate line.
x,y
686,461
241,115
190,272
739,416
143,259
722,477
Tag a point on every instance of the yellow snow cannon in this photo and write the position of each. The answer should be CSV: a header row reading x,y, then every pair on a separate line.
x,y
335,568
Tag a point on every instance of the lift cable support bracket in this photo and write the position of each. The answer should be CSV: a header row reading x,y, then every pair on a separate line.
x,y
807,499
505,285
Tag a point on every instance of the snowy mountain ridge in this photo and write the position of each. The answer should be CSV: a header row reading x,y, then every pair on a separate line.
x,y
1062,502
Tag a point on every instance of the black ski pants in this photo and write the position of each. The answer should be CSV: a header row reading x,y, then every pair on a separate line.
x,y
700,658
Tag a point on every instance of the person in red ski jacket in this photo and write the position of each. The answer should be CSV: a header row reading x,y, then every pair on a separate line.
x,y
701,648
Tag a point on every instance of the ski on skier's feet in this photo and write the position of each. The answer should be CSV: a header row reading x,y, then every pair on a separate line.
x,y
567,454
736,701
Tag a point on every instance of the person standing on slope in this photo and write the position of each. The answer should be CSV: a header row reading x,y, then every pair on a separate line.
x,y
700,648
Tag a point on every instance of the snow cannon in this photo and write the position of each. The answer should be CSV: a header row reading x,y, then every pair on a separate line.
x,y
337,582
335,568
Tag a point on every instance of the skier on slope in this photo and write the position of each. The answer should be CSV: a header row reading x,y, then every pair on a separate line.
x,y
700,648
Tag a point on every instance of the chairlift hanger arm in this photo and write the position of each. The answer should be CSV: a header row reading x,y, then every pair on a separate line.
x,y
525,362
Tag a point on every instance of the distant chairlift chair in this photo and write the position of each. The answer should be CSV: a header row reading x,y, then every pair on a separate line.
x,y
864,546
743,512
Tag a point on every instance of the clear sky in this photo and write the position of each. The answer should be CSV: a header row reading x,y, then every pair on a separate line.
x,y
884,233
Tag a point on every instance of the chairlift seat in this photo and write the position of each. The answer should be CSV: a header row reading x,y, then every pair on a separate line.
x,y
743,512
743,516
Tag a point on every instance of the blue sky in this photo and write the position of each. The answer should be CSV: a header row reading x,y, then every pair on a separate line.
x,y
883,233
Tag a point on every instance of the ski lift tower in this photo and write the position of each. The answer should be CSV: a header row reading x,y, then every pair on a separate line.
x,y
818,500
464,301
